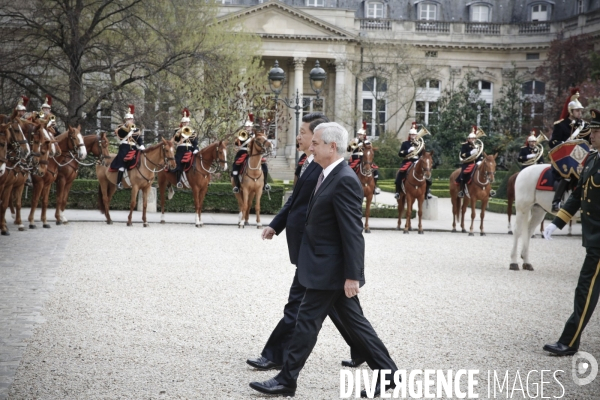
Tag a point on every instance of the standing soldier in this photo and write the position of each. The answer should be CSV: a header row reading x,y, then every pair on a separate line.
x,y
356,149
130,141
467,151
569,127
244,136
530,151
587,197
187,144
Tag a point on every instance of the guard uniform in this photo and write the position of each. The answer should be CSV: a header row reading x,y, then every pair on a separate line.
x,y
129,140
526,151
356,153
406,161
466,168
586,197
244,135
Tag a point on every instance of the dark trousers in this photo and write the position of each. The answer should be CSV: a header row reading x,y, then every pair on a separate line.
x,y
586,298
315,306
276,349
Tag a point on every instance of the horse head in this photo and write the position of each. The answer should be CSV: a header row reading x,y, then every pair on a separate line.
x,y
426,163
76,142
489,166
4,140
40,150
367,159
18,140
222,154
168,147
104,147
260,145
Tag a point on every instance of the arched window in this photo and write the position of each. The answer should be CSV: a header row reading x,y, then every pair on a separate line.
x,y
374,104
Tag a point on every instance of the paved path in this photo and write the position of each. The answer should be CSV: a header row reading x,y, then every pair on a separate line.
x,y
28,265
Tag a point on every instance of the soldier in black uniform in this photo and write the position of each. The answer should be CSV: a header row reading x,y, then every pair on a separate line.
x,y
530,151
47,107
129,139
20,109
242,144
187,142
467,150
263,128
405,149
587,197
356,153
569,127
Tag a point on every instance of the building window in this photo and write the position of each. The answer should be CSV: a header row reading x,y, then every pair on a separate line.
x,y
431,53
374,10
374,105
539,12
314,105
227,1
580,7
533,56
428,93
315,3
534,88
480,14
425,112
429,84
428,11
534,96
104,118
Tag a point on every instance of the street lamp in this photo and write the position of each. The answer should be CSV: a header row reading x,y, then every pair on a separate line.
x,y
317,77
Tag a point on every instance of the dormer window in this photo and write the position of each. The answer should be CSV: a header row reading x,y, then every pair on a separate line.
x,y
480,13
375,10
315,3
539,12
428,11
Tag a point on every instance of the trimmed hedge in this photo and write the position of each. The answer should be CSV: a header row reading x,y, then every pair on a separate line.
x,y
440,174
84,195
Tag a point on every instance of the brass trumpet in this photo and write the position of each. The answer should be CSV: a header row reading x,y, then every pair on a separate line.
x,y
186,132
243,135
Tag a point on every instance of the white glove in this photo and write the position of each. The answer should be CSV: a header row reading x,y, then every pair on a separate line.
x,y
473,151
411,149
195,151
549,230
530,156
478,162
142,147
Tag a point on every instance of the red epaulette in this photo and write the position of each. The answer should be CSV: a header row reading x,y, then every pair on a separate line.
x,y
242,158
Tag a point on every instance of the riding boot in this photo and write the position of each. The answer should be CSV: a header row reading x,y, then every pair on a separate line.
x,y
428,189
119,179
558,194
461,193
236,181
377,190
178,175
266,187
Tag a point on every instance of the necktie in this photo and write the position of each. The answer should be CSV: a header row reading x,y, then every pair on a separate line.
x,y
304,166
321,177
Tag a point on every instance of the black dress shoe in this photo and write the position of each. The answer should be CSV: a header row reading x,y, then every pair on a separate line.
x,y
353,363
363,393
273,387
262,363
560,349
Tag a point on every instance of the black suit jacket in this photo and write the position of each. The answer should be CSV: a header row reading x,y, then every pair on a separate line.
x,y
293,214
333,247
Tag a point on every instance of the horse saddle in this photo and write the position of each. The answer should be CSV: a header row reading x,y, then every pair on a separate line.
x,y
131,160
546,180
405,167
354,163
242,159
469,172
188,160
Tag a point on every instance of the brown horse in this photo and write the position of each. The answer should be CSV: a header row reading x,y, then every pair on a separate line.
x,y
206,162
40,149
477,189
251,182
415,186
68,170
4,142
42,184
152,160
365,176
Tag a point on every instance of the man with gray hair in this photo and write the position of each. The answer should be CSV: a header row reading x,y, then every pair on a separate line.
x,y
331,266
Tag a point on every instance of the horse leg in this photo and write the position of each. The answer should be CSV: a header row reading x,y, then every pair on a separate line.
x,y
243,206
473,213
463,210
400,210
17,194
455,211
196,197
145,193
201,196
60,189
257,207
132,202
45,199
409,203
162,186
65,199
251,196
368,212
35,198
484,203
537,216
5,195
509,213
519,226
420,212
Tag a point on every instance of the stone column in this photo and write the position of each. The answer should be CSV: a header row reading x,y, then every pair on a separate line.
x,y
290,148
340,95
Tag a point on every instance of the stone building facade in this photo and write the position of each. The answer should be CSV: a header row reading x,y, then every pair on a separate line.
x,y
447,38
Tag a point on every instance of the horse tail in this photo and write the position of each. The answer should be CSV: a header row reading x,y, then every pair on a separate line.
x,y
100,200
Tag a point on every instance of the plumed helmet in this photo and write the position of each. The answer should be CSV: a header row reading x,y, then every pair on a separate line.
x,y
571,103
130,112
473,135
47,102
363,129
532,136
413,129
22,103
574,104
185,115
250,120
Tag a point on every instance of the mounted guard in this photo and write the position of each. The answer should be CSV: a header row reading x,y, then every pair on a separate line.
x,y
533,151
130,141
47,108
410,151
187,145
570,127
471,153
356,147
244,135
20,109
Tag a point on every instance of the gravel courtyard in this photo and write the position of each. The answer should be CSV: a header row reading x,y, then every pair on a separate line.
x,y
172,311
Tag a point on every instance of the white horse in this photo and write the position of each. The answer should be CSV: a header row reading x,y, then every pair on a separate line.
x,y
531,207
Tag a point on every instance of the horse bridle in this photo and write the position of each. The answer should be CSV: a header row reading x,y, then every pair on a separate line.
x,y
487,174
160,167
16,144
215,162
102,157
425,170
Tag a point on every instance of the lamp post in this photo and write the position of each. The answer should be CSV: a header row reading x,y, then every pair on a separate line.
x,y
317,77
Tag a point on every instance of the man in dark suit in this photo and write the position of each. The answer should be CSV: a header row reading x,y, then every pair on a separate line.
x,y
291,218
331,265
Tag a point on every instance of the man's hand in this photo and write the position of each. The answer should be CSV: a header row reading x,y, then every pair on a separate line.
x,y
351,288
473,151
411,149
268,233
530,156
549,230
